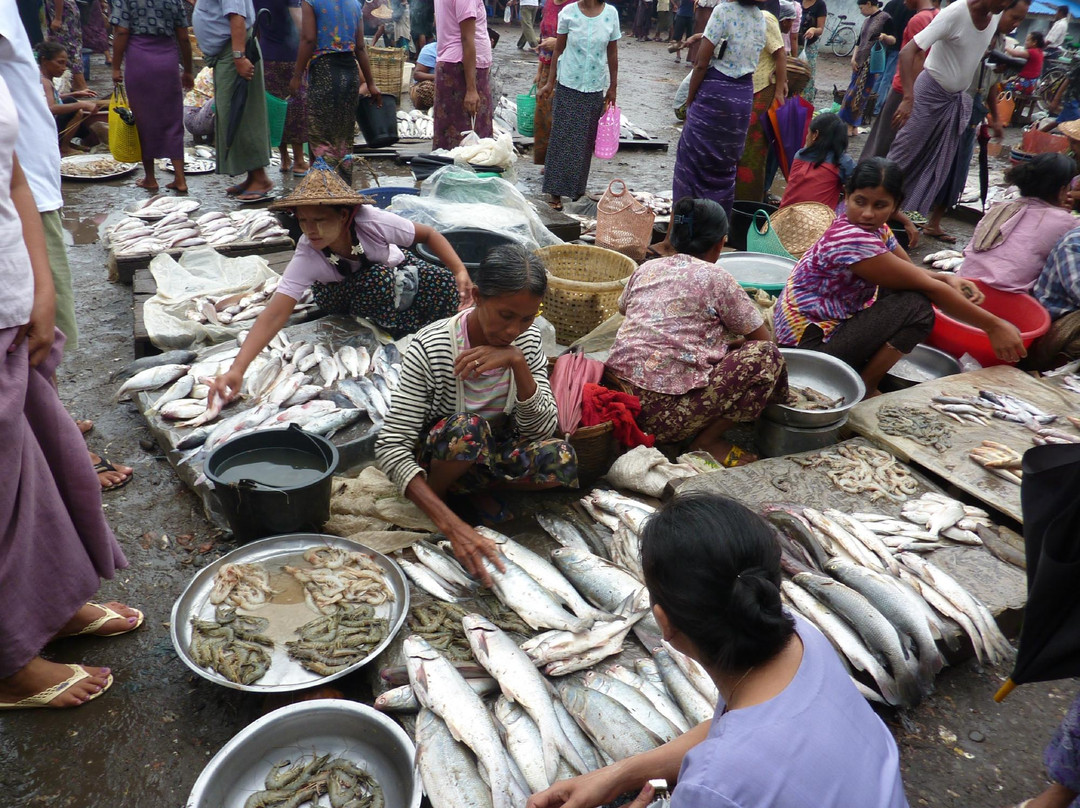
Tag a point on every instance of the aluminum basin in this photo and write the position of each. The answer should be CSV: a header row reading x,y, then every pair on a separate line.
x,y
826,374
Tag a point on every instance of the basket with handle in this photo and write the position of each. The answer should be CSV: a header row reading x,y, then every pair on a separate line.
x,y
607,133
622,223
762,237
123,136
526,112
387,68
584,285
799,226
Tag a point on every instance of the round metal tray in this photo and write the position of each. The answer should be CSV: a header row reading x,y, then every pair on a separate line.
x,y
325,726
69,167
284,674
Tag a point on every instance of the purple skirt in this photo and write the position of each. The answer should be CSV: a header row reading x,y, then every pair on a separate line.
x,y
152,81
713,139
55,544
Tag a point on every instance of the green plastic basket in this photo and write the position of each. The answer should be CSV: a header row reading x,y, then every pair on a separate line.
x,y
275,118
526,112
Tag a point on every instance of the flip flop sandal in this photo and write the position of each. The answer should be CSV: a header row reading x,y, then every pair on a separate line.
x,y
731,459
255,197
300,173
234,190
92,628
46,696
104,465
944,238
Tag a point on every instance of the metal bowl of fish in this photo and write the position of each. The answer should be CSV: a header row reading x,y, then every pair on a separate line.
x,y
93,167
821,390
345,749
923,364
289,612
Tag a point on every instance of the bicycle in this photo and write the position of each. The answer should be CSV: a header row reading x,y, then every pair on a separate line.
x,y
839,34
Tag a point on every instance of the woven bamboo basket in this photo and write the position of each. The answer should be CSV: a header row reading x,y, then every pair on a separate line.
x,y
799,226
584,284
595,447
387,68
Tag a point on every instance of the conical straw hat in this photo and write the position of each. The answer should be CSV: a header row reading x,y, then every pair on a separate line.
x,y
322,186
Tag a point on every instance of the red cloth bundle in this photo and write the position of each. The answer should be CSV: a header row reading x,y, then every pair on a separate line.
x,y
599,404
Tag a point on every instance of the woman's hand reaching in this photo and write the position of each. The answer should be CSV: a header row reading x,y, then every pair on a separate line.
x,y
965,287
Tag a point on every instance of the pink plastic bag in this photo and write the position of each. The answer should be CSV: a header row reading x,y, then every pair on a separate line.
x,y
607,133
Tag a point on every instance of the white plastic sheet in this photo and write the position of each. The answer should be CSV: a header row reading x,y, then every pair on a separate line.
x,y
200,272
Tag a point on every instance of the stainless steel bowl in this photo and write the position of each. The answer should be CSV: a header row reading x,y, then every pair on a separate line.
x,y
923,364
829,376
285,674
326,726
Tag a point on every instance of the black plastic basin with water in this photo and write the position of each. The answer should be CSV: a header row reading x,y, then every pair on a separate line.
x,y
273,481
470,243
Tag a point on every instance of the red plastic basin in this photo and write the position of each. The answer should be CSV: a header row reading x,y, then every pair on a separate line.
x,y
957,338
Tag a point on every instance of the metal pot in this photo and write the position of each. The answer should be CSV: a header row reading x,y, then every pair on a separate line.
x,y
826,374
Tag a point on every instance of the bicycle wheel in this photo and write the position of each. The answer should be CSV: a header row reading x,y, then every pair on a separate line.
x,y
1048,86
843,41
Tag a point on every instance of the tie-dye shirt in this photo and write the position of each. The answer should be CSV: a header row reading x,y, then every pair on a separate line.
x,y
822,290
336,23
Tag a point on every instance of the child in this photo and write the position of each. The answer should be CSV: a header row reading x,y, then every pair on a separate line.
x,y
821,168
856,295
77,114
1014,238
1029,75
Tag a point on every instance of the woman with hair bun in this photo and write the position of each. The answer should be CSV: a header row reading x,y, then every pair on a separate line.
x,y
1014,239
675,348
790,728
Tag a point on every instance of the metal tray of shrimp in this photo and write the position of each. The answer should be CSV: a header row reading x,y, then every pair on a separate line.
x,y
286,610
293,735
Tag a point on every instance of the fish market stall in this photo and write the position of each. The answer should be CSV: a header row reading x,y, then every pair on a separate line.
x,y
972,428
298,379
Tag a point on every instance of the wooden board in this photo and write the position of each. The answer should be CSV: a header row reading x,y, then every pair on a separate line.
x,y
1002,587
122,269
143,287
954,464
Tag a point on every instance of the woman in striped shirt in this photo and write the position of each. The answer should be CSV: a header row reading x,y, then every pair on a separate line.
x,y
474,409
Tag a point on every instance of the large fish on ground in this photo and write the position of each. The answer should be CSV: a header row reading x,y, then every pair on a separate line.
x,y
607,722
447,768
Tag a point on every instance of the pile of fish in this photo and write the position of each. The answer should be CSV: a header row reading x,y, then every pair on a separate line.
x,y
1000,460
991,404
807,398
241,307
909,422
945,260
304,383
859,578
292,783
175,229
1071,382
659,204
415,125
861,469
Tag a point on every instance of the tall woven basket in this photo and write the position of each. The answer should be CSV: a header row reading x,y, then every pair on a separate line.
x,y
584,284
387,68
799,226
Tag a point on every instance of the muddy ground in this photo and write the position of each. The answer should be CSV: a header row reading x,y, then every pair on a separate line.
x,y
145,742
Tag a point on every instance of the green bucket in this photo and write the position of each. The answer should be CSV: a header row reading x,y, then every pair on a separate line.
x,y
275,118
526,112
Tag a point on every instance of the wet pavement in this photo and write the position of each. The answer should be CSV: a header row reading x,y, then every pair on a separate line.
x,y
144,743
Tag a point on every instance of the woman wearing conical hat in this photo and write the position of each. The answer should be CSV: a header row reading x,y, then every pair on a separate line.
x,y
356,259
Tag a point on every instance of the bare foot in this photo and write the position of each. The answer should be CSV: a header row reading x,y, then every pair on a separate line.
x,y
114,477
300,166
39,674
84,425
176,186
89,613
146,185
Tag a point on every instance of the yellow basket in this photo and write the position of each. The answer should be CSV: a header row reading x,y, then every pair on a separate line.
x,y
799,226
387,68
584,284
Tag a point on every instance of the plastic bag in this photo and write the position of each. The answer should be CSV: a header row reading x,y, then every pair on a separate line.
x,y
201,271
508,14
123,136
484,151
455,196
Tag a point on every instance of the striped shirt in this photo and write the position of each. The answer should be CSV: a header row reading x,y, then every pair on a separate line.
x,y
429,391
822,290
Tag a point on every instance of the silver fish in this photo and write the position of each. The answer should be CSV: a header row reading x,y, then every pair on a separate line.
x,y
443,564
635,703
866,537
147,362
447,768
521,682
333,422
554,646
328,369
607,722
441,689
402,699
562,531
194,438
430,582
181,388
605,585
303,394
351,362
239,422
151,379
850,547
876,631
523,743
659,698
693,705
534,604
578,739
182,409
363,361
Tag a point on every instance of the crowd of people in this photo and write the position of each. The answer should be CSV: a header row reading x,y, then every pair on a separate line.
x,y
475,411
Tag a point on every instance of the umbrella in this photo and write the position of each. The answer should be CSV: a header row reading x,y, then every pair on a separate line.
x,y
786,127
572,372
240,91
1050,637
984,166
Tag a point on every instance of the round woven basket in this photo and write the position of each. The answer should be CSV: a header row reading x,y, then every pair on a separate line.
x,y
584,284
595,449
799,226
